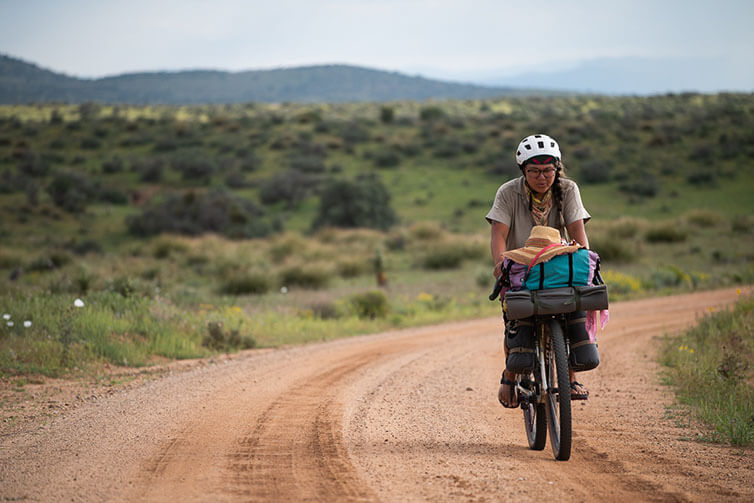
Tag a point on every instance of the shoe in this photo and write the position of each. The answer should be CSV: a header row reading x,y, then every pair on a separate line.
x,y
578,392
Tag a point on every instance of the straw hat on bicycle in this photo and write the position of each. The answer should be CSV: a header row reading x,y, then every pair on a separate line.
x,y
543,244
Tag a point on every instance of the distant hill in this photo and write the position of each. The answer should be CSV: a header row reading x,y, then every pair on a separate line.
x,y
638,76
23,82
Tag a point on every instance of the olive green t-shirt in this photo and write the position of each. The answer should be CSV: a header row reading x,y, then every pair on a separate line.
x,y
511,207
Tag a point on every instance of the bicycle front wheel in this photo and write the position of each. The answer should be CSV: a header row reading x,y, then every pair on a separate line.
x,y
535,420
559,393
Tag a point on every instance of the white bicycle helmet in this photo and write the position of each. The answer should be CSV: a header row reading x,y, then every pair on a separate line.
x,y
534,145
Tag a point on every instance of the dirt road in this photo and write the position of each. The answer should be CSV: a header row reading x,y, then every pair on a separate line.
x,y
403,416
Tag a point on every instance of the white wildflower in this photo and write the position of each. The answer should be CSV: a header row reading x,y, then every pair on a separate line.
x,y
6,316
78,303
27,324
10,323
284,289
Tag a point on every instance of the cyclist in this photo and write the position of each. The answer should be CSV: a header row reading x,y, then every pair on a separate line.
x,y
541,196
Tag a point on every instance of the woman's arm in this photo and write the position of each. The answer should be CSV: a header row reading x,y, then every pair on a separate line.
x,y
498,238
577,232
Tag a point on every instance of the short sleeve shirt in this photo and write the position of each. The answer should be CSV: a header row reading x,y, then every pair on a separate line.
x,y
511,207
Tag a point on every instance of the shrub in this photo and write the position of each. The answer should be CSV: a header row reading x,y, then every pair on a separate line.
x,y
704,218
446,256
91,143
596,171
742,223
248,283
309,277
363,202
112,196
290,187
71,191
114,165
666,233
307,164
31,164
706,177
431,113
219,339
642,185
325,310
372,304
387,114
195,213
351,268
613,249
149,170
426,231
668,276
194,168
54,260
386,159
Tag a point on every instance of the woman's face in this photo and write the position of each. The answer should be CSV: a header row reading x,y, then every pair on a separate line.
x,y
540,177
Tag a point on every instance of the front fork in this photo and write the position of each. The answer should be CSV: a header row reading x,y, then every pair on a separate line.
x,y
541,350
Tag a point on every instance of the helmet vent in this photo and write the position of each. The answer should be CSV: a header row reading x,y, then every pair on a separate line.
x,y
541,144
527,146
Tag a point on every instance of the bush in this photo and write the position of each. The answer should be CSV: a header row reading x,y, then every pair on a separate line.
x,y
666,233
114,165
194,168
249,283
290,187
704,218
450,255
705,177
71,191
364,202
642,185
219,339
596,171
195,213
372,304
309,277
614,250
325,310
742,223
386,159
351,268
149,170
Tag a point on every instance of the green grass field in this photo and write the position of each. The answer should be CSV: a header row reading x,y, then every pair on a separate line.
x,y
667,179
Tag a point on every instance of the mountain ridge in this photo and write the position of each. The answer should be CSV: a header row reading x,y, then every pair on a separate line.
x,y
24,82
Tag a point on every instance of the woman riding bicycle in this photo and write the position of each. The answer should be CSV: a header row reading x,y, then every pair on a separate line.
x,y
542,196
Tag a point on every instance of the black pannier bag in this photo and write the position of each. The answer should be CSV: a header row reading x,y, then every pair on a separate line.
x,y
519,340
584,354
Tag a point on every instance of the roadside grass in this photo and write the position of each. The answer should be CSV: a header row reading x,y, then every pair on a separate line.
x,y
711,368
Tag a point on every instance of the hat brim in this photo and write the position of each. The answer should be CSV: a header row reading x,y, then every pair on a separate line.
x,y
526,255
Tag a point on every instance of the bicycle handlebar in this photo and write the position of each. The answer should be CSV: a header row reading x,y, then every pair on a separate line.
x,y
498,288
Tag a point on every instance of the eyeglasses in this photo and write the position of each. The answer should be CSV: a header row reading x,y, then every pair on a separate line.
x,y
547,172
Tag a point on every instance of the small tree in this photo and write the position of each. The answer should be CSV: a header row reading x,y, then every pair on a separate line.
x,y
364,202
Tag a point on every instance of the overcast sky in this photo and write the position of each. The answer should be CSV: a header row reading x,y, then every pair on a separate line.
x,y
94,38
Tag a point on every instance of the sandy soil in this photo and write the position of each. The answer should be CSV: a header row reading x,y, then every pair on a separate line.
x,y
402,416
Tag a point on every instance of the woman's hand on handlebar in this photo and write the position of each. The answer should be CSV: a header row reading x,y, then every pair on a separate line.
x,y
498,269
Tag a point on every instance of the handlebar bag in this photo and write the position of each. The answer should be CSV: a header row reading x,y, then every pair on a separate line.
x,y
543,272
570,269
524,303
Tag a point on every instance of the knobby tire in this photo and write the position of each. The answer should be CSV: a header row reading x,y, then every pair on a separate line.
x,y
535,422
558,405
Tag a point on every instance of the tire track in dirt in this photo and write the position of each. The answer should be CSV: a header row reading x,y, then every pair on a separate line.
x,y
295,451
